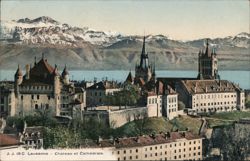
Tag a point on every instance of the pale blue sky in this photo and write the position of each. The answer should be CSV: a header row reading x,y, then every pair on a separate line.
x,y
180,19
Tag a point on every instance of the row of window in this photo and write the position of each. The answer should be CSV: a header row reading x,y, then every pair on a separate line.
x,y
46,106
214,96
214,103
156,154
160,147
215,109
37,87
152,100
172,99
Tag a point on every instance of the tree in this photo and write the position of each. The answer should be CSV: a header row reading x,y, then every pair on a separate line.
x,y
181,105
231,145
128,96
140,121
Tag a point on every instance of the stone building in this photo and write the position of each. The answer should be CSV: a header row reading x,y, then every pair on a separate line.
x,y
43,88
164,146
115,116
211,95
170,103
208,64
32,137
97,93
7,97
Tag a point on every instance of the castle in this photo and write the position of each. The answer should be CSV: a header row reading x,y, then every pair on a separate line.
x,y
43,88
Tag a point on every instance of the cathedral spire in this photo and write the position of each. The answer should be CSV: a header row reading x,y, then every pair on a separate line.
x,y
207,52
144,55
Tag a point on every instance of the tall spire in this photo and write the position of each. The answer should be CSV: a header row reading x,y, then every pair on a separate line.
x,y
207,52
144,55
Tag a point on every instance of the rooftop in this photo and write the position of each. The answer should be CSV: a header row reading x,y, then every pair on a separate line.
x,y
209,86
147,140
8,140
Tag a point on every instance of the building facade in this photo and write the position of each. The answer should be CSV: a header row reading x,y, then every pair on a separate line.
x,y
164,146
97,93
211,95
170,103
42,88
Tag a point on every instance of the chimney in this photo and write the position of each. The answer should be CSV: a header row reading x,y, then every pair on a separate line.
x,y
167,135
27,71
137,139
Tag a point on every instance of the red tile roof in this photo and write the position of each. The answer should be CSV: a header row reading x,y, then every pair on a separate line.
x,y
7,140
148,140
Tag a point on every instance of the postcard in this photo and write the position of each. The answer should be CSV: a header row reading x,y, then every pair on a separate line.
x,y
124,80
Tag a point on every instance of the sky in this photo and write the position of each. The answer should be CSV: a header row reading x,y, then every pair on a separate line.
x,y
178,19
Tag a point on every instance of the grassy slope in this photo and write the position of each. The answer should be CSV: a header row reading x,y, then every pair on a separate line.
x,y
226,118
156,125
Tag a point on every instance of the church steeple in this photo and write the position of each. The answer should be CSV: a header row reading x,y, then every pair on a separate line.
x,y
144,56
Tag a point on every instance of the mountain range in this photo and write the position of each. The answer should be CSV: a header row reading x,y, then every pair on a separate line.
x,y
85,48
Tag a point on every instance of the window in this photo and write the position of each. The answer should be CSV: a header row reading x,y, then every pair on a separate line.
x,y
130,151
146,156
37,97
136,150
36,106
130,157
118,152
48,97
21,97
32,96
124,158
136,157
124,152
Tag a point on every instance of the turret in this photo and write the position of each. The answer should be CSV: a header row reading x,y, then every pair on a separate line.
x,y
18,80
65,75
18,76
57,90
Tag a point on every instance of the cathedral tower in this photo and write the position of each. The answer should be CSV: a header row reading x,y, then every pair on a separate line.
x,y
143,70
207,64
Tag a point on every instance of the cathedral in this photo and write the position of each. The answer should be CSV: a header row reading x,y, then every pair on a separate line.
x,y
144,72
43,88
208,64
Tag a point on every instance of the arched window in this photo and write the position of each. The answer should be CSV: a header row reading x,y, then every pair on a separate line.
x,y
36,106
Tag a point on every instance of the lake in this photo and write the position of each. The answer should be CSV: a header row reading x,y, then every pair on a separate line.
x,y
241,77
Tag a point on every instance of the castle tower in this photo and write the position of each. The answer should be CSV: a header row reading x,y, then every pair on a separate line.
x,y
143,70
18,78
65,75
57,90
207,64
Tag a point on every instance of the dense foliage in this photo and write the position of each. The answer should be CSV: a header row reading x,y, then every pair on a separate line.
x,y
128,96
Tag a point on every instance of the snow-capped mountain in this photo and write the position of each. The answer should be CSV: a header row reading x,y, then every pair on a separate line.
x,y
45,30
